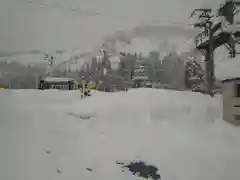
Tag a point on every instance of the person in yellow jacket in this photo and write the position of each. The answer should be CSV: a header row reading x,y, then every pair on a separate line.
x,y
85,90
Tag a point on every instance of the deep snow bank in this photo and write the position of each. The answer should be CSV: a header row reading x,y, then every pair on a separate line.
x,y
43,136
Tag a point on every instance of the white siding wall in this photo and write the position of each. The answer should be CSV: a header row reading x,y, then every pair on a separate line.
x,y
229,100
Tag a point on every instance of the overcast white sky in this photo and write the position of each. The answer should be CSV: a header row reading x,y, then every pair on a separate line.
x,y
50,25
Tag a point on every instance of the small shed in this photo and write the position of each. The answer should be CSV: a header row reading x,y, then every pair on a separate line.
x,y
61,83
231,100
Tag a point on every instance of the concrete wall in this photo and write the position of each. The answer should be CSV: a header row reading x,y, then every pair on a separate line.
x,y
230,101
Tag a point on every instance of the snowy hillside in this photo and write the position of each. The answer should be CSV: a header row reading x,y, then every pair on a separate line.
x,y
57,135
143,39
25,58
148,38
66,59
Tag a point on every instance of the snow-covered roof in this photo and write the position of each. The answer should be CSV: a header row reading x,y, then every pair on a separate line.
x,y
228,69
140,78
58,79
231,79
218,19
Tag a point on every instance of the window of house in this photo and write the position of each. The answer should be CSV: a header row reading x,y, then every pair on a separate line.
x,y
236,117
58,86
237,94
53,86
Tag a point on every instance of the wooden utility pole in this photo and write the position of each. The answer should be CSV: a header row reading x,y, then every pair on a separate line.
x,y
205,24
226,37
51,62
210,75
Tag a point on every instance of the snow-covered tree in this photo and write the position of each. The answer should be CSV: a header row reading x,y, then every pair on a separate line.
x,y
194,76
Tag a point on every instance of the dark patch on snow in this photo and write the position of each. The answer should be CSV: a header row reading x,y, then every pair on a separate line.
x,y
80,116
142,170
118,162
47,151
89,169
58,171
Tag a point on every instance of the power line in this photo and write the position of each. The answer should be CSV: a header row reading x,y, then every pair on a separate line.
x,y
58,6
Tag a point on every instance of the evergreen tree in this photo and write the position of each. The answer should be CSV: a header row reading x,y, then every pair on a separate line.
x,y
194,76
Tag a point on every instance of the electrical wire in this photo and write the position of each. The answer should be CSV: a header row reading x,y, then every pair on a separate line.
x,y
59,7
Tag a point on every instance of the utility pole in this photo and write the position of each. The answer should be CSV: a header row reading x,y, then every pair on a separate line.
x,y
210,75
227,36
205,24
51,62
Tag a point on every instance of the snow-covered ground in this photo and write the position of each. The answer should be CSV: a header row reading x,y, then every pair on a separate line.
x,y
43,135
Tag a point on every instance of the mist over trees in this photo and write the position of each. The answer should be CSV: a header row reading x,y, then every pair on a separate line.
x,y
19,76
171,71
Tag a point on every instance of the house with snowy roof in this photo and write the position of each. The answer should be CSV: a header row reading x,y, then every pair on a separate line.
x,y
61,83
230,78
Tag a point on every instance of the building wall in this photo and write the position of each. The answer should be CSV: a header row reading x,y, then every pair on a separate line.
x,y
57,85
229,101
